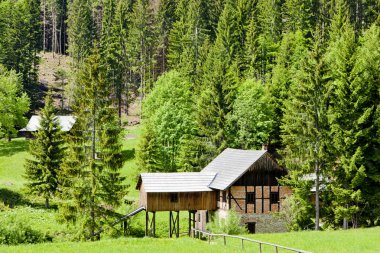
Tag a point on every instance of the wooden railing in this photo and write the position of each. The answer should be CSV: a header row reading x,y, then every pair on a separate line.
x,y
198,233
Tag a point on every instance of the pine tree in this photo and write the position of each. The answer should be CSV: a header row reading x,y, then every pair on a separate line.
x,y
113,48
92,184
305,125
349,153
353,119
47,150
80,30
292,50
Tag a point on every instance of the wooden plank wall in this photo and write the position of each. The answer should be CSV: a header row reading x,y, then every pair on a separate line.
x,y
186,201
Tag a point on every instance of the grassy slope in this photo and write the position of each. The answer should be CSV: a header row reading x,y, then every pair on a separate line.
x,y
351,241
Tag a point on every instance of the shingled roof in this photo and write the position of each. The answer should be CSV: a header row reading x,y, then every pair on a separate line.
x,y
230,165
176,182
66,123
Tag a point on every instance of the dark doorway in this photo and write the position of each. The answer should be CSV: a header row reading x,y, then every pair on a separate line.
x,y
251,226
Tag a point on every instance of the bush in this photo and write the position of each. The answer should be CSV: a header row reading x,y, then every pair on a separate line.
x,y
14,232
229,225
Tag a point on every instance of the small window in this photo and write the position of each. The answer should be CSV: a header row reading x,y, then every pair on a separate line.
x,y
274,198
224,196
250,197
173,197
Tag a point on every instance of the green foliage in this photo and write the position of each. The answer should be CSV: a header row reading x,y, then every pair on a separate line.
x,y
169,121
14,232
47,152
14,103
227,225
251,121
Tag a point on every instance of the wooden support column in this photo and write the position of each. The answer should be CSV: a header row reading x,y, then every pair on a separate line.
x,y
150,225
245,198
146,223
173,224
177,234
170,224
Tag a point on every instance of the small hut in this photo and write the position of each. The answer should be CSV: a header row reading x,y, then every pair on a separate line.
x,y
65,122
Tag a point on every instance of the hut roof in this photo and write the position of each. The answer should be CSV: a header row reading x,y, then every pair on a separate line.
x,y
176,182
230,165
66,123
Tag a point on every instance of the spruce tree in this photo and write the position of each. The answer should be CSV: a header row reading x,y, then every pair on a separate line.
x,y
47,150
353,119
305,126
92,184
80,30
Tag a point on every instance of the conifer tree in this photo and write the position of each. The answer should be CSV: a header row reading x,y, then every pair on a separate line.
x,y
353,124
47,150
92,184
80,30
114,50
305,125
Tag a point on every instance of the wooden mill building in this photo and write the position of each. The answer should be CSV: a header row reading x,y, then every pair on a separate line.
x,y
242,180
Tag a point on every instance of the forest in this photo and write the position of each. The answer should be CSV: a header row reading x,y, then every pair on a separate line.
x,y
300,77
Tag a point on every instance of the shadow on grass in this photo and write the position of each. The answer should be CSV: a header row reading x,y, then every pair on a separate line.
x,y
13,199
129,154
13,147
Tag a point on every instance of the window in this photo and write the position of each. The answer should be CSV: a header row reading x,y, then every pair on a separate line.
x,y
173,197
274,198
250,197
224,196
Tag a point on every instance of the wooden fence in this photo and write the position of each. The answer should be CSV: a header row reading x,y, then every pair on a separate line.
x,y
196,233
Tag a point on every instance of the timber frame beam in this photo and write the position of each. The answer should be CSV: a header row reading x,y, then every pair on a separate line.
x,y
173,224
150,224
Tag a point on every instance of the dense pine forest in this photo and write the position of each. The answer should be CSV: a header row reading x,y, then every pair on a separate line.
x,y
300,77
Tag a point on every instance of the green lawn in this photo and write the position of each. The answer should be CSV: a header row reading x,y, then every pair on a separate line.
x,y
347,241
12,159
350,241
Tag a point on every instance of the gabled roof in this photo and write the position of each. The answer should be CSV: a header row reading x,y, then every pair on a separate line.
x,y
230,165
176,182
66,123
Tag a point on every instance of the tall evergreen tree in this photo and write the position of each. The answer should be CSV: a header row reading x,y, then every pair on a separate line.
x,y
80,30
47,150
305,124
92,184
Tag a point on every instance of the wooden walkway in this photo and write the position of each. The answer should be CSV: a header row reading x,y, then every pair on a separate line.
x,y
196,233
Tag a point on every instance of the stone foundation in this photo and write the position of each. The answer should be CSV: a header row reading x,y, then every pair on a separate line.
x,y
265,223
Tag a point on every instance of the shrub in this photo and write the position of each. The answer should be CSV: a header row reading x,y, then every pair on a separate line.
x,y
14,232
228,225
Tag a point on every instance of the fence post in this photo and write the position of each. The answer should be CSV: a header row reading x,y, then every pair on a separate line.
x,y
276,249
208,239
242,244
224,237
260,247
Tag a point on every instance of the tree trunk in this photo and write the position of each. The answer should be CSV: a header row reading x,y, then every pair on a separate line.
x,y
317,194
47,205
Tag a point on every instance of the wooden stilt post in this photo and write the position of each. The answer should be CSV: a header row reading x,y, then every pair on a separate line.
x,y
177,234
170,224
146,223
154,224
189,223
